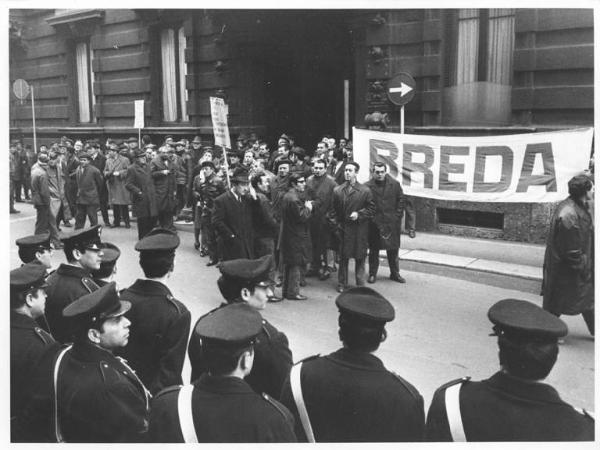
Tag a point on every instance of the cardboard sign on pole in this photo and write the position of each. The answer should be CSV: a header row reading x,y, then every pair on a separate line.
x,y
139,114
218,111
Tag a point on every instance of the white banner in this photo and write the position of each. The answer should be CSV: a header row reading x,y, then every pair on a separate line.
x,y
138,106
529,168
218,111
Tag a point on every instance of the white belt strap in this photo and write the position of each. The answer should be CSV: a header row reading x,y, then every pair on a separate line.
x,y
452,398
57,431
299,400
184,409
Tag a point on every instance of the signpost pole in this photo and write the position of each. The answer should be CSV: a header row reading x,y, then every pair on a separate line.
x,y
33,117
139,138
402,119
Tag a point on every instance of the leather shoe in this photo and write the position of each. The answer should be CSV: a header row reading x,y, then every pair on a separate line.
x,y
127,225
197,246
275,299
212,262
372,279
397,277
340,288
297,297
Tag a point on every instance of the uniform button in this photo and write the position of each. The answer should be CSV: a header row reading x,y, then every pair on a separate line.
x,y
105,365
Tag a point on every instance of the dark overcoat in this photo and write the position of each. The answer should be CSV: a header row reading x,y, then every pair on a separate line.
x,y
320,190
160,325
504,408
272,360
139,183
353,234
351,397
389,208
117,192
568,284
224,409
232,221
295,241
89,185
164,184
99,162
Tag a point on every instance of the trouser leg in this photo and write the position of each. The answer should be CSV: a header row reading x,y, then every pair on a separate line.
x,y
116,214
588,317
343,271
360,271
92,213
392,257
125,214
291,280
42,219
80,216
52,222
145,224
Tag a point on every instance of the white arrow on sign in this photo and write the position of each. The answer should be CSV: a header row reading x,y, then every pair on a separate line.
x,y
403,89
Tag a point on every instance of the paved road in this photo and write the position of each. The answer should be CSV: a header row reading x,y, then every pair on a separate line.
x,y
440,332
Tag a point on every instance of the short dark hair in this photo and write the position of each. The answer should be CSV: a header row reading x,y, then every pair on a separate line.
x,y
526,358
156,264
222,359
27,254
106,269
360,334
352,163
257,179
380,164
231,289
295,176
579,185
17,298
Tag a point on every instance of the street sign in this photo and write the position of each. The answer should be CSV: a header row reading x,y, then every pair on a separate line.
x,y
401,89
21,89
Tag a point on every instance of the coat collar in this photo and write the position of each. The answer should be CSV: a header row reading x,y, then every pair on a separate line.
x,y
223,385
536,391
86,351
149,287
357,360
18,320
72,271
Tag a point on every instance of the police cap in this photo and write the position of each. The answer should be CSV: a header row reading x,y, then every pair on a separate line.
x,y
365,303
207,164
110,253
237,323
103,303
28,276
158,240
85,238
526,320
35,242
248,271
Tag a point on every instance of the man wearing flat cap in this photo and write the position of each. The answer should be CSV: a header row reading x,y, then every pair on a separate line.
x,y
27,340
232,218
36,249
98,397
98,160
568,284
207,187
143,197
220,406
247,281
349,395
161,323
163,174
89,186
514,404
115,172
72,279
108,263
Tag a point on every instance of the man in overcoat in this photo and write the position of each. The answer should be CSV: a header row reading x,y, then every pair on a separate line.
x,y
568,284
295,237
232,218
385,226
163,173
352,208
89,184
141,186
115,173
98,160
208,188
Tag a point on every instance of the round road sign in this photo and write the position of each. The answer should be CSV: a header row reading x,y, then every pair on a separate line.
x,y
401,89
21,89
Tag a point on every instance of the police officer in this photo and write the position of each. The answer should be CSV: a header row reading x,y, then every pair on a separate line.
x,y
36,249
220,406
348,395
108,263
27,340
512,405
247,281
73,279
161,323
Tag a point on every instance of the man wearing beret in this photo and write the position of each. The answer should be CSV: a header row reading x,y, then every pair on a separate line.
x,y
98,397
247,281
514,404
36,249
89,185
139,183
348,395
108,262
27,340
73,279
568,285
220,406
161,323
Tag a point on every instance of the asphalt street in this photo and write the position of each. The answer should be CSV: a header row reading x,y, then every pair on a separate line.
x,y
441,331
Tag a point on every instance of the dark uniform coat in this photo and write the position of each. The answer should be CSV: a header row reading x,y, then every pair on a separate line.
x,y
351,397
160,325
232,220
89,185
117,192
99,399
568,285
389,208
224,409
65,285
353,234
272,360
164,185
139,183
27,344
504,408
295,241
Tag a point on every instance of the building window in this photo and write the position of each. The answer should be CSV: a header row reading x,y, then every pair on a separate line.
x,y
85,82
479,49
174,70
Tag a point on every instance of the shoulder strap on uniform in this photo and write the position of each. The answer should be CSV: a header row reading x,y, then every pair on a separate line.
x,y
455,424
57,431
585,412
299,400
173,301
184,410
89,284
